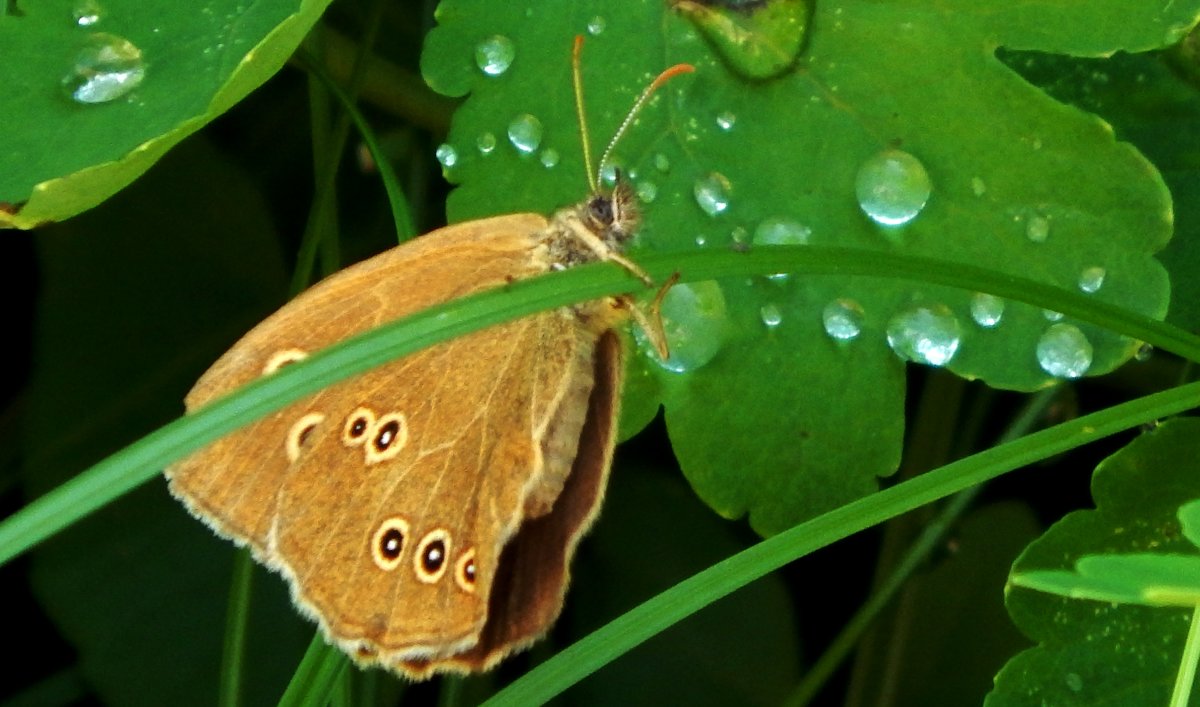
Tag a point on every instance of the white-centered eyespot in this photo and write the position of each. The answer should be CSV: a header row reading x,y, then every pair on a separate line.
x,y
300,433
279,359
430,558
358,427
465,571
387,545
387,437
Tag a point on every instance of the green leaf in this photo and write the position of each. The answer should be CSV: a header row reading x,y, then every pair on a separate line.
x,y
786,421
199,61
1102,653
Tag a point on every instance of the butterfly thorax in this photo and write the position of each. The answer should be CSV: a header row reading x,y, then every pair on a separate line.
x,y
593,230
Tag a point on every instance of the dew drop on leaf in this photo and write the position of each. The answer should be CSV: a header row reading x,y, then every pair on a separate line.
x,y
1092,279
495,54
987,310
696,322
1064,352
842,319
892,187
525,133
107,68
712,193
925,334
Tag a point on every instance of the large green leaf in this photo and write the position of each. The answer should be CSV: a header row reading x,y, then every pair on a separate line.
x,y
1099,652
786,421
199,59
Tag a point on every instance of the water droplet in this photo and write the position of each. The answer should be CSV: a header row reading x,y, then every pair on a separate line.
x,y
926,334
712,193
1037,228
596,25
1051,315
661,163
608,174
892,187
486,143
978,188
842,319
780,231
1074,682
771,316
701,240
647,191
86,13
1144,352
525,133
986,310
549,157
695,321
107,68
495,54
1064,352
1091,279
726,120
447,155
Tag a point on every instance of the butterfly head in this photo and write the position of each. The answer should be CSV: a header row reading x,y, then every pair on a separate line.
x,y
613,216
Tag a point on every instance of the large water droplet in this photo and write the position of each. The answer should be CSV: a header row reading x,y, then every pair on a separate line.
x,y
780,231
86,13
926,334
986,310
549,157
726,120
1092,279
1037,228
525,133
107,68
712,193
447,155
1052,316
596,25
771,316
892,187
695,321
842,319
1064,352
486,143
495,54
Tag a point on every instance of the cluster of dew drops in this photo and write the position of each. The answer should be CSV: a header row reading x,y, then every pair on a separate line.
x,y
892,188
107,66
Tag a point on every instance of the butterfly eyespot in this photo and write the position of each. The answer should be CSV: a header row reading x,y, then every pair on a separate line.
x,y
430,557
465,570
387,545
282,358
387,437
358,424
299,434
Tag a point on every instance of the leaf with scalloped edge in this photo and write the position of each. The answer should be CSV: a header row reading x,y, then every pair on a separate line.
x,y
1100,652
782,420
63,157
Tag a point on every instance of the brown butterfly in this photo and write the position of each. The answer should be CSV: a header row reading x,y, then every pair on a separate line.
x,y
425,513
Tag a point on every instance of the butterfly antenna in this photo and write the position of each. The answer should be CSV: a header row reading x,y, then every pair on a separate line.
x,y
577,74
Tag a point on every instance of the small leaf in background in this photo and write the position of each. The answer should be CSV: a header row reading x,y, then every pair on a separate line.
x,y
757,40
1099,652
801,408
99,91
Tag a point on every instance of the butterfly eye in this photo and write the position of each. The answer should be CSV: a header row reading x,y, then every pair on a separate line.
x,y
388,437
464,571
430,558
357,425
283,358
388,543
299,434
601,209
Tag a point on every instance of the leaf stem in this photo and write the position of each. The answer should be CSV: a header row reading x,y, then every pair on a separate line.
x,y
1187,664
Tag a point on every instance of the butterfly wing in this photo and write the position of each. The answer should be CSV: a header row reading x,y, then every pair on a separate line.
x,y
389,500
